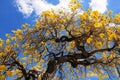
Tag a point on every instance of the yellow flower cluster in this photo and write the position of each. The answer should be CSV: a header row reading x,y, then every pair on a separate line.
x,y
98,44
8,48
117,18
74,4
110,12
25,25
113,36
1,42
2,77
9,73
84,16
8,41
98,25
37,26
104,55
2,67
102,35
62,27
72,44
95,14
89,40
118,29
1,54
111,56
105,76
18,35
43,43
7,35
17,32
13,38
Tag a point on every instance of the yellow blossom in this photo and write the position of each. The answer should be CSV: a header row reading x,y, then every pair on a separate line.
x,y
94,14
90,73
18,71
17,32
1,42
27,45
2,67
20,37
88,10
89,40
16,45
8,41
8,48
104,55
1,54
25,25
111,56
7,35
62,27
25,52
83,17
118,29
23,46
24,58
74,4
42,60
98,25
105,76
38,25
42,42
72,77
13,38
9,73
72,44
110,12
102,35
29,61
113,36
78,77
98,44
2,77
83,75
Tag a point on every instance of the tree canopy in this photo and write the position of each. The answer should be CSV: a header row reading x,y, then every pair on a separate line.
x,y
64,44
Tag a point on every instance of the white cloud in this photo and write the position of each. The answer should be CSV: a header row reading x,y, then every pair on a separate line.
x,y
27,7
100,5
24,7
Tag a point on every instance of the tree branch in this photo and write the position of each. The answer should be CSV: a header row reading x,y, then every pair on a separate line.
x,y
102,50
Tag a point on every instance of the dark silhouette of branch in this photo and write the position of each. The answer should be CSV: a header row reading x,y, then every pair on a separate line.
x,y
102,50
51,70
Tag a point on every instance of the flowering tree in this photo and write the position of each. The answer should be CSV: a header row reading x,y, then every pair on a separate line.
x,y
81,43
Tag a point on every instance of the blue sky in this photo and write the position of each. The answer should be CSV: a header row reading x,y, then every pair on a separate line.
x,y
14,13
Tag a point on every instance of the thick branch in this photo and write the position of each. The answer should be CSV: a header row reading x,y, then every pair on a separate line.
x,y
102,50
51,70
21,67
118,71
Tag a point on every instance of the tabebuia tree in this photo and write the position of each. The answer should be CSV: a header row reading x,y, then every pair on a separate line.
x,y
63,45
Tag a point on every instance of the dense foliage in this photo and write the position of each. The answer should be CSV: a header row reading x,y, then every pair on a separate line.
x,y
63,44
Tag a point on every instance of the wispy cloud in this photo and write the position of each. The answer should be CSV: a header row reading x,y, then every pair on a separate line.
x,y
27,7
100,5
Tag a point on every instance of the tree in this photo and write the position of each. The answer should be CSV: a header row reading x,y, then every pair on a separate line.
x,y
70,44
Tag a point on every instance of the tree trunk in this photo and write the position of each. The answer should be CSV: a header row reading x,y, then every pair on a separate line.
x,y
118,71
51,70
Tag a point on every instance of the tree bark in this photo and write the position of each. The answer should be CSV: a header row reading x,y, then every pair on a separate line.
x,y
51,70
118,71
